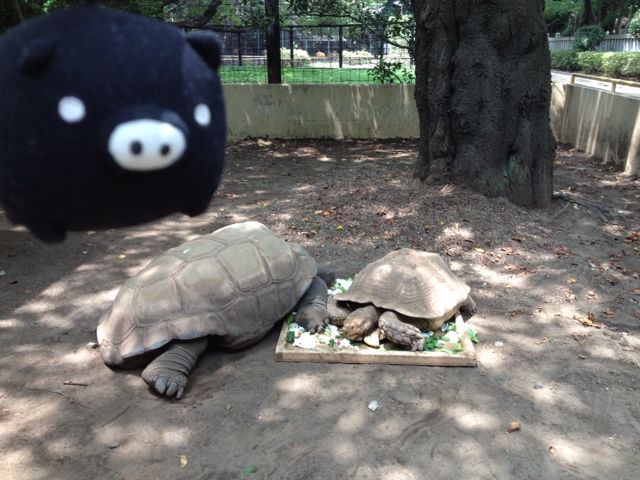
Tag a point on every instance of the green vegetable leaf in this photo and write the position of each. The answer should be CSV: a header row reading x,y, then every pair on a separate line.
x,y
473,335
249,469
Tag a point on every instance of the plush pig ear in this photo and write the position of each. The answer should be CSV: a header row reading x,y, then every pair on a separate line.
x,y
207,45
36,56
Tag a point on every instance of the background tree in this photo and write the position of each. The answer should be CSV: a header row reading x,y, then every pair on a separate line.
x,y
483,91
565,16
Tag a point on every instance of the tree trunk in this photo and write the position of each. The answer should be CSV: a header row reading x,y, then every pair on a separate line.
x,y
274,63
587,14
483,90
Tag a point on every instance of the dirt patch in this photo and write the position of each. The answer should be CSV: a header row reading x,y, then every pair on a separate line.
x,y
559,289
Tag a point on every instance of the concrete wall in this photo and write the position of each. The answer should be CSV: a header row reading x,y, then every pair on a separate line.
x,y
316,111
603,124
598,122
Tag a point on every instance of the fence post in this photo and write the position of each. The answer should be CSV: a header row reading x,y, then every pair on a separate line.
x,y
340,46
291,44
239,49
274,67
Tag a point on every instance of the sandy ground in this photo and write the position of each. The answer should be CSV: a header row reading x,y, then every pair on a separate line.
x,y
558,287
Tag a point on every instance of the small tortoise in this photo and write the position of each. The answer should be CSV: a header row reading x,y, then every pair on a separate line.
x,y
402,293
227,288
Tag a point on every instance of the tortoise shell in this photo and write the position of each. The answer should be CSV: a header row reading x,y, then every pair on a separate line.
x,y
410,282
234,283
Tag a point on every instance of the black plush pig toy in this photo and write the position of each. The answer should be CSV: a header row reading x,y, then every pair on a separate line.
x,y
107,119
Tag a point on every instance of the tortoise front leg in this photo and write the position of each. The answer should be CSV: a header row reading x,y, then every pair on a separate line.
x,y
400,332
168,373
311,312
338,312
469,306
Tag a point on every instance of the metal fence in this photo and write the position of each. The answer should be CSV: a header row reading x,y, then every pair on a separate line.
x,y
611,43
309,54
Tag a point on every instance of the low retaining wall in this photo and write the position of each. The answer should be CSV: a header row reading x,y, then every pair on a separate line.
x,y
317,111
598,122
601,123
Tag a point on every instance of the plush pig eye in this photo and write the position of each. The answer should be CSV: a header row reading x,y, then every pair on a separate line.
x,y
71,109
202,114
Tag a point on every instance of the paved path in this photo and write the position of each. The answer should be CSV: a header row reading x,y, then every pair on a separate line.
x,y
564,77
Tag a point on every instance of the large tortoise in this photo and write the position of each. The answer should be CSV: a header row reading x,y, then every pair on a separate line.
x,y
402,293
227,288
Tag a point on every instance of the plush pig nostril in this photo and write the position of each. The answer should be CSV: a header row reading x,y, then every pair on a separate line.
x,y
164,151
136,148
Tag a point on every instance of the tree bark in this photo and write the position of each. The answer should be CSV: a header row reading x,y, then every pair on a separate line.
x,y
274,64
483,90
587,13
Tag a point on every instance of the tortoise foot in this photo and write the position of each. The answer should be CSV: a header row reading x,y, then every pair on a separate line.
x,y
312,313
169,372
469,307
401,333
312,318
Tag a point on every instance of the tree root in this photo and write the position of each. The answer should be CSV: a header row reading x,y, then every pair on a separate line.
x,y
600,213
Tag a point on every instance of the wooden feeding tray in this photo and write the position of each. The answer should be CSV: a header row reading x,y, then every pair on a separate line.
x,y
387,353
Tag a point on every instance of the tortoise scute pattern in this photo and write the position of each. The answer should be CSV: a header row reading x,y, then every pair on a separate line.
x,y
234,283
414,283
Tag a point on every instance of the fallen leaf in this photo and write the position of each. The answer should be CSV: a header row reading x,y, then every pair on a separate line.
x,y
591,295
183,461
561,250
551,450
582,356
588,321
318,212
122,256
479,250
636,291
340,227
611,280
514,427
571,280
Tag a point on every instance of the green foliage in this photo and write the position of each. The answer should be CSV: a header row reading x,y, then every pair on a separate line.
x,y
610,64
631,68
588,38
390,20
634,25
565,60
561,15
251,74
392,72
590,62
